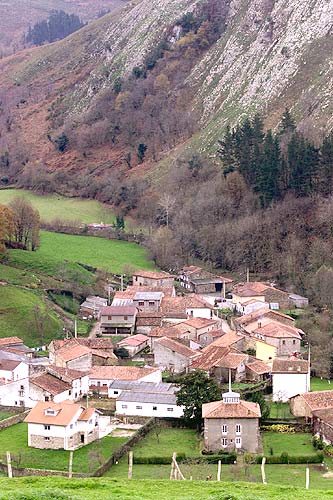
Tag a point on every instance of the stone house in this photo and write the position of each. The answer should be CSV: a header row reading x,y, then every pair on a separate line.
x,y
249,322
63,425
153,278
175,309
298,301
231,424
262,292
251,306
71,355
322,425
118,320
208,338
256,370
147,320
198,326
219,361
148,301
134,344
197,280
290,377
303,405
286,339
172,355
91,307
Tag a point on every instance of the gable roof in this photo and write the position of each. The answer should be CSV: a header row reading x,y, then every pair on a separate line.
x,y
259,367
134,340
172,332
50,383
317,400
214,356
325,414
120,372
148,397
177,347
278,330
7,341
153,274
66,374
250,289
9,364
199,322
227,339
131,290
219,409
118,311
66,412
72,350
291,365
177,306
260,313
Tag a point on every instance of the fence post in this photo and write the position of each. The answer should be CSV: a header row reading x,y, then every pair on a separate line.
x,y
263,475
130,464
307,478
9,464
70,465
219,470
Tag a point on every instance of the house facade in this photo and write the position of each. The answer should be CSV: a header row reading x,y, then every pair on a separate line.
x,y
148,404
14,381
152,278
134,344
231,424
303,405
172,355
118,320
101,377
322,425
148,301
290,377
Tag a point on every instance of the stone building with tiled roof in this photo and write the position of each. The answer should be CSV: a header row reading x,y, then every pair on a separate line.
x,y
303,405
231,424
172,355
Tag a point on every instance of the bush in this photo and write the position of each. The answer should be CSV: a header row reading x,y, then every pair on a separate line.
x,y
284,458
226,458
283,428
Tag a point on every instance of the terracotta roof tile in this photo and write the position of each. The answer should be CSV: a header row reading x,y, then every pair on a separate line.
x,y
292,365
200,322
66,374
258,367
260,313
177,347
227,339
8,364
87,414
134,340
176,306
50,383
65,413
6,341
120,372
218,356
219,409
72,350
118,311
153,274
278,330
317,400
249,289
326,415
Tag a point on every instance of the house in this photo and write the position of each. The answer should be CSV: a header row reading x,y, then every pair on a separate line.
x,y
14,380
256,370
147,320
231,424
286,339
207,338
118,387
249,322
290,377
101,377
197,280
15,345
222,339
118,320
262,292
148,301
263,351
322,425
126,298
70,354
134,344
153,278
198,326
58,385
91,307
63,425
303,405
250,306
172,355
219,361
175,309
149,404
298,301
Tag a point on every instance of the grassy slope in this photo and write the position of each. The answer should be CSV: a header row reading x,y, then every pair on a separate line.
x,y
15,439
320,385
167,441
17,307
294,444
111,255
103,489
56,206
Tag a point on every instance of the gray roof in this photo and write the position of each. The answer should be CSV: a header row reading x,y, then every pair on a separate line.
x,y
127,385
6,355
147,397
296,296
148,296
122,302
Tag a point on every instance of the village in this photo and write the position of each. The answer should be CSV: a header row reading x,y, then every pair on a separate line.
x,y
145,341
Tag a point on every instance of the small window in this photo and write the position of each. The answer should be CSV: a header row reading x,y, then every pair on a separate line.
x,y
283,342
47,439
125,318
224,429
47,427
21,403
22,387
115,392
109,318
141,303
169,409
224,442
71,426
138,407
69,392
238,442
124,406
238,428
154,407
294,341
151,303
21,394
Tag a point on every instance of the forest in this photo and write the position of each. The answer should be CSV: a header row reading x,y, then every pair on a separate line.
x,y
58,25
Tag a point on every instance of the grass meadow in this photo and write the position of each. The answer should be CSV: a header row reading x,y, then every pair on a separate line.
x,y
60,251
318,384
58,207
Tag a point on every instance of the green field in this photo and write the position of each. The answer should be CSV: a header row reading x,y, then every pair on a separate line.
x,y
318,384
57,252
86,459
280,410
18,316
164,441
58,207
293,444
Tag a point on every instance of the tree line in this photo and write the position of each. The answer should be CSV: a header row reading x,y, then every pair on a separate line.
x,y
58,25
274,163
19,225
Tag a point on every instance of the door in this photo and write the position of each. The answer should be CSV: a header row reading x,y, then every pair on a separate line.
x,y
238,442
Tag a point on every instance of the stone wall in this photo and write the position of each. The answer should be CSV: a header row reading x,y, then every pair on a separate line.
x,y
23,472
15,419
54,443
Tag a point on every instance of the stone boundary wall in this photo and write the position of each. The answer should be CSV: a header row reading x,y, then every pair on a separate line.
x,y
15,419
24,472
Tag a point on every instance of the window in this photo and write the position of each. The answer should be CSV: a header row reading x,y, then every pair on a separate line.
x,y
47,439
224,429
169,409
21,394
224,442
238,442
238,428
71,426
47,427
22,387
141,303
151,303
294,341
124,406
138,407
115,392
283,342
69,392
154,407
125,318
21,403
109,318
50,412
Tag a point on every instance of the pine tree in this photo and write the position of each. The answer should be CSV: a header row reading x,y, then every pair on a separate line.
x,y
287,122
326,166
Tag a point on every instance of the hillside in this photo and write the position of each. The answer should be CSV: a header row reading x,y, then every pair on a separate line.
x,y
16,15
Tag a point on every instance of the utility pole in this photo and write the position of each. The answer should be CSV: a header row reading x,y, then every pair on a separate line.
x,y
75,328
247,275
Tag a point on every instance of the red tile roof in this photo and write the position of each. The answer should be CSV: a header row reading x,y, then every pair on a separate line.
x,y
317,400
291,365
227,339
50,383
177,306
87,414
8,364
134,340
250,289
72,350
118,311
7,341
326,415
199,322
65,413
153,274
219,409
177,347
278,330
260,313
214,356
67,374
120,372
258,367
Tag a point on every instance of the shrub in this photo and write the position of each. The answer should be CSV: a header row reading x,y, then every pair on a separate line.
x,y
283,428
226,458
284,458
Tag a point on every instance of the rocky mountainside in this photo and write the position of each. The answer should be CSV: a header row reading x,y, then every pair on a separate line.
x,y
270,54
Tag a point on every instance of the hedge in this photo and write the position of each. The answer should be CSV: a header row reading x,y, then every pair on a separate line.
x,y
227,458
284,458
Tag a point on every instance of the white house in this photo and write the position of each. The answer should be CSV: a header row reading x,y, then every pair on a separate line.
x,y
61,425
14,381
118,387
290,377
251,306
148,404
101,377
58,385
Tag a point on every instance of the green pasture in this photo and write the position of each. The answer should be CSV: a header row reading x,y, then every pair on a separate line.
x,y
19,309
298,443
61,254
86,459
280,410
55,206
318,384
163,441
